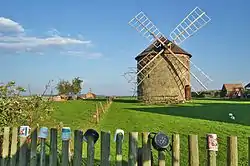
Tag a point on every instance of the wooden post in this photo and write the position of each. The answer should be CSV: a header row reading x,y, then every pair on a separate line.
x,y
119,138
97,114
176,150
103,110
146,149
161,158
211,158
248,151
105,148
133,145
232,155
193,150
42,153
13,151
77,160
65,153
23,151
5,146
53,147
33,156
90,151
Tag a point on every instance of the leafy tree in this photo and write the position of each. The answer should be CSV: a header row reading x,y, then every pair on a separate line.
x,y
64,87
16,110
76,85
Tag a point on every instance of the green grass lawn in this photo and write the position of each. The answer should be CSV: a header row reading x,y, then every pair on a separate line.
x,y
196,117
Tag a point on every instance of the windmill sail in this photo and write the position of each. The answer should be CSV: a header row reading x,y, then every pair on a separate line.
x,y
194,21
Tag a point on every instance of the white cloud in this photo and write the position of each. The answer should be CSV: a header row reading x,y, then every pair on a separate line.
x,y
84,54
13,39
7,25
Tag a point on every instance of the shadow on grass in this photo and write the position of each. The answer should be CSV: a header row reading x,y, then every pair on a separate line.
x,y
221,99
126,100
204,110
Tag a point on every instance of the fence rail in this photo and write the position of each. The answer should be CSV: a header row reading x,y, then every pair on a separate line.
x,y
24,151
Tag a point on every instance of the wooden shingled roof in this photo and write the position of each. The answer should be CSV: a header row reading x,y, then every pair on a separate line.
x,y
176,49
231,87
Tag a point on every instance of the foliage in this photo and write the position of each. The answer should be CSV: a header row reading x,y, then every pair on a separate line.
x,y
16,110
76,85
64,87
67,88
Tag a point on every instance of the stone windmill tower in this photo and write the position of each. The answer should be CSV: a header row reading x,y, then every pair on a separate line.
x,y
163,72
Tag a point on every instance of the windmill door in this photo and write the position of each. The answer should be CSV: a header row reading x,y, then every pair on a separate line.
x,y
187,92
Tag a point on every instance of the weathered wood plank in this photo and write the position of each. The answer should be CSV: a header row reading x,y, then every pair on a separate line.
x,y
65,153
77,159
133,148
193,150
53,147
232,149
105,148
33,155
90,151
119,138
146,149
5,146
13,150
176,150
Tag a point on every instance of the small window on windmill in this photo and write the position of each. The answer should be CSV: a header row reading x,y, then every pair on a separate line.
x,y
148,75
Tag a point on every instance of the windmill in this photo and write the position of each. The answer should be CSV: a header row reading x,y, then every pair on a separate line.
x,y
163,69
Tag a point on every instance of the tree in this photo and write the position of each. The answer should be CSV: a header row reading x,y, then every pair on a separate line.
x,y
76,85
64,87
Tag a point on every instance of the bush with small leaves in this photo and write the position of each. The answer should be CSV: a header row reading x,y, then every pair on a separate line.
x,y
17,110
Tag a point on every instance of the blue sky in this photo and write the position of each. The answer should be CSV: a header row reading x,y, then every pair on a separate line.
x,y
44,40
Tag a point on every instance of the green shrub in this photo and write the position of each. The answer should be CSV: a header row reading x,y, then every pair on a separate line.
x,y
17,110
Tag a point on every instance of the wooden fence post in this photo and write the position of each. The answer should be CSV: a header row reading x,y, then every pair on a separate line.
x,y
161,158
133,146
105,148
248,151
5,146
13,151
97,114
53,147
146,149
90,151
65,153
119,138
193,150
33,155
42,152
77,159
232,155
23,149
176,150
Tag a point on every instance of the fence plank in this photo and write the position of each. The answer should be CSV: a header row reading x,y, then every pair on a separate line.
x,y
232,149
146,149
193,150
53,147
161,158
176,150
133,145
211,158
42,152
77,159
90,151
105,148
5,146
23,151
65,153
119,138
33,155
13,150
248,151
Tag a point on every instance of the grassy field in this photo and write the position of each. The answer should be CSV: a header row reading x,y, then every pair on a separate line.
x,y
196,117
